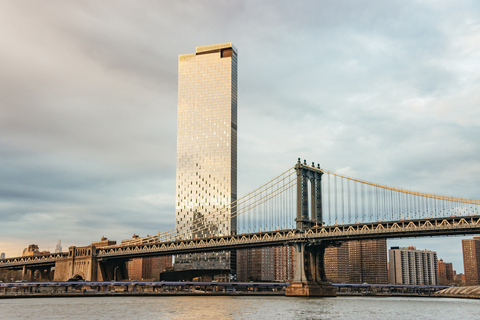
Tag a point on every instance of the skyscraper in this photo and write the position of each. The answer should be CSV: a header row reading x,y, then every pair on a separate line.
x,y
206,150
471,261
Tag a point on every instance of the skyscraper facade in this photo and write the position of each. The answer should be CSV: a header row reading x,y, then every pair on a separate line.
x,y
411,266
471,261
206,180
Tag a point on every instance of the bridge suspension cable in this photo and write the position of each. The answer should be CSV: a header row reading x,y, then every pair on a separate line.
x,y
368,202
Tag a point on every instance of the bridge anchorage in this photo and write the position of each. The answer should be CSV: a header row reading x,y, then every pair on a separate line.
x,y
309,277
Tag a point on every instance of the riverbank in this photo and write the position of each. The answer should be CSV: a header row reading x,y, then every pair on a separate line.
x,y
134,294
22,295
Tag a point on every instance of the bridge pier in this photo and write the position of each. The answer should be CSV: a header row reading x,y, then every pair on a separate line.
x,y
309,279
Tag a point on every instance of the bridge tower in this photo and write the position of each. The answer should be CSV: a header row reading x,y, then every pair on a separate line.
x,y
306,174
309,278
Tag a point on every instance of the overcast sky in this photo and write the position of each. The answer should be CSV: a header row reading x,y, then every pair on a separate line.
x,y
385,91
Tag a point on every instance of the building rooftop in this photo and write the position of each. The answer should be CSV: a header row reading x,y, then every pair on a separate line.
x,y
214,47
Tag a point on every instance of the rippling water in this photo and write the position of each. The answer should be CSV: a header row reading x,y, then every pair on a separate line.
x,y
239,308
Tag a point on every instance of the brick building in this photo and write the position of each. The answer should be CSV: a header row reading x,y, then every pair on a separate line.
x,y
445,273
336,263
471,261
361,261
266,264
148,267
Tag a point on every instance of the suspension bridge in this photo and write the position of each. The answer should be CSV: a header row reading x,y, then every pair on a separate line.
x,y
305,206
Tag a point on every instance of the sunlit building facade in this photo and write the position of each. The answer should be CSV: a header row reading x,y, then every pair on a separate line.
x,y
206,181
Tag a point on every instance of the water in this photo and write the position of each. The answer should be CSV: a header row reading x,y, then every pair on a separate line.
x,y
99,308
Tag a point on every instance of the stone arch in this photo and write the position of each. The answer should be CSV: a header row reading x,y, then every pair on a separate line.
x,y
79,276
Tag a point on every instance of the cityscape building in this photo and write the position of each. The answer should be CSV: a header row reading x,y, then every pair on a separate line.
x,y
256,264
336,263
411,266
367,261
284,263
471,261
206,177
58,248
266,264
360,261
445,272
148,267
32,250
104,242
2,255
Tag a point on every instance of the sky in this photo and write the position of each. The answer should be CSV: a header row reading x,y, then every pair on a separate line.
x,y
384,91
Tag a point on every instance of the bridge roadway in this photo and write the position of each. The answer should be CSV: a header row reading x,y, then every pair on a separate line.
x,y
336,233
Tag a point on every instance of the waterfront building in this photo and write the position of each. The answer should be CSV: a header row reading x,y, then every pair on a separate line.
x,y
471,261
266,264
411,266
148,267
336,263
360,261
445,272
256,264
367,261
206,177
284,263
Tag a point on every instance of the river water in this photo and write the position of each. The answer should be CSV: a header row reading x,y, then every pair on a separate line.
x,y
275,307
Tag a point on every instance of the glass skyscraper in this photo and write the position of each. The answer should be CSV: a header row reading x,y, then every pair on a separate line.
x,y
206,150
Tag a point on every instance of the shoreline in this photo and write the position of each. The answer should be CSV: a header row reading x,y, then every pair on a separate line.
x,y
213,294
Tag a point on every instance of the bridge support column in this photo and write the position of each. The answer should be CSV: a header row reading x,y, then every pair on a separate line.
x,y
309,279
27,274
